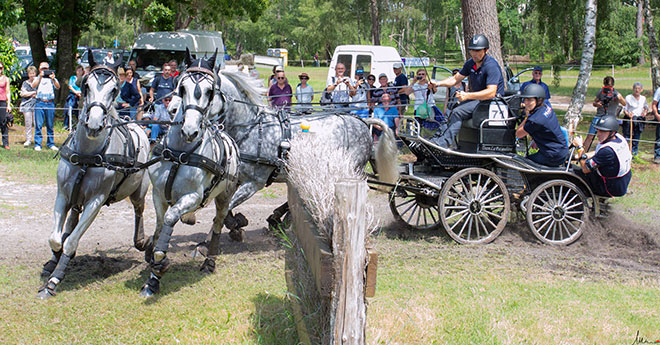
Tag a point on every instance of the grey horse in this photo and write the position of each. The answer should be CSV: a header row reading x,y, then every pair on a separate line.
x,y
262,136
200,163
98,166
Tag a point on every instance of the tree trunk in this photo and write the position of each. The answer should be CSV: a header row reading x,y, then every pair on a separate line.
x,y
35,34
574,112
653,45
480,17
640,30
66,47
375,22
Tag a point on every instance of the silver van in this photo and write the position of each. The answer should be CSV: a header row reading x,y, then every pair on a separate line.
x,y
152,49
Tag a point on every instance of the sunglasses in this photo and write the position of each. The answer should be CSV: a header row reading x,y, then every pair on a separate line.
x,y
304,78
280,78
371,78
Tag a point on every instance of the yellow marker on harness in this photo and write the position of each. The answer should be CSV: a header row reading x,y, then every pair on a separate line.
x,y
304,125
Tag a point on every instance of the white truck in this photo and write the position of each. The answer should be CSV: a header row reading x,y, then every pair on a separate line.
x,y
152,49
373,59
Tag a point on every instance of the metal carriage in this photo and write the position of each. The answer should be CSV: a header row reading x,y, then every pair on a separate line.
x,y
469,191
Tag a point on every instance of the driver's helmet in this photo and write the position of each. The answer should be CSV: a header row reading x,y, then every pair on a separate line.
x,y
478,42
533,91
607,123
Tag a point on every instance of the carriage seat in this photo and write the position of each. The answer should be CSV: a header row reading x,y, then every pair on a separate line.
x,y
498,136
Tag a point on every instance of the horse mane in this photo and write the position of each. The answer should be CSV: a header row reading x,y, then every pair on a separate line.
x,y
251,87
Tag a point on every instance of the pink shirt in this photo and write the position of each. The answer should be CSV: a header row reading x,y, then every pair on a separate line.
x,y
3,88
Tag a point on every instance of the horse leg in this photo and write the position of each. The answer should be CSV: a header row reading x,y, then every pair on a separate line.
x,y
138,200
71,223
221,210
160,262
275,219
55,240
235,222
70,245
160,205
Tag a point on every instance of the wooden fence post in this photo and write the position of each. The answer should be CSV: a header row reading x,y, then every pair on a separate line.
x,y
348,317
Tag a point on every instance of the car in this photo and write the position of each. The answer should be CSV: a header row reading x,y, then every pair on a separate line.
x,y
99,55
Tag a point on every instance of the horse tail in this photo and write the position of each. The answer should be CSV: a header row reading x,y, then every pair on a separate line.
x,y
386,153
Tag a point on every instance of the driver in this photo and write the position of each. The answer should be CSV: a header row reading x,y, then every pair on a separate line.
x,y
486,82
542,125
606,170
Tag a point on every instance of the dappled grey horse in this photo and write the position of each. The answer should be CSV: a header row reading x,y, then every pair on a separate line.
x,y
262,136
199,163
99,166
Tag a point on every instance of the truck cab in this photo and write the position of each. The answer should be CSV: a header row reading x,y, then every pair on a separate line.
x,y
373,59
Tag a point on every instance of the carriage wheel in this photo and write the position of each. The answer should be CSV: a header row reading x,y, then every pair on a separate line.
x,y
474,206
557,211
416,210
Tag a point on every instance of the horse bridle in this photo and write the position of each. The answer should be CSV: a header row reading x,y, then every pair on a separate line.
x,y
99,69
197,74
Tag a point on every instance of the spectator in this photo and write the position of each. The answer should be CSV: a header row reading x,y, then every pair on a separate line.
x,y
130,93
537,73
423,91
273,77
400,81
133,65
634,112
109,59
607,103
451,92
385,87
359,101
371,80
46,85
656,115
162,86
29,98
175,68
340,87
72,99
388,113
280,92
160,114
304,92
316,60
5,106
120,104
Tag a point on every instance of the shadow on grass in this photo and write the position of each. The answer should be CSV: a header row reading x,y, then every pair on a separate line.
x,y
400,231
87,269
178,276
272,320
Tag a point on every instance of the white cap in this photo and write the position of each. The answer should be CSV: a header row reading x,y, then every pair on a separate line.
x,y
279,69
397,65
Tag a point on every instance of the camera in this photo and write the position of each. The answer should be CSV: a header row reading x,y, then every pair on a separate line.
x,y
47,73
419,77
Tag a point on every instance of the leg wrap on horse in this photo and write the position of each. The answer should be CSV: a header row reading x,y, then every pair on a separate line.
x,y
50,265
61,266
214,245
164,239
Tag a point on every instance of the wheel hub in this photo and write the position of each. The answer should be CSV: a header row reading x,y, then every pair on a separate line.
x,y
558,213
475,207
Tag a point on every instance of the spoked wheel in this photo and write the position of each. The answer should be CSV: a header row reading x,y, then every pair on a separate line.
x,y
474,206
557,211
417,210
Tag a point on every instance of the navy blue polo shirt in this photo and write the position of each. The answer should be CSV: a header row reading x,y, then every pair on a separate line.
x,y
401,80
489,73
608,164
543,85
543,126
162,87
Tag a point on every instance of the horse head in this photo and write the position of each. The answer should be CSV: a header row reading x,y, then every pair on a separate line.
x,y
197,88
99,88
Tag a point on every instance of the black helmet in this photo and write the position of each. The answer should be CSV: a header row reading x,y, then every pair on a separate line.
x,y
533,91
478,42
607,123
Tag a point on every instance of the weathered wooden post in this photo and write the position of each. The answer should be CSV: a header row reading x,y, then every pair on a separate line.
x,y
348,318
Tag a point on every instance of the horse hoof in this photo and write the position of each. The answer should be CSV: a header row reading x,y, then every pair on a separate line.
x,y
151,287
208,267
47,291
201,249
147,292
189,218
237,235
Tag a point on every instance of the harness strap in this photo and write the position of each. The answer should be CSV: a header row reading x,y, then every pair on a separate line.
x,y
170,181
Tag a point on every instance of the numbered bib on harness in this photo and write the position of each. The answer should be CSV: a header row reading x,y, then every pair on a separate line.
x,y
497,110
